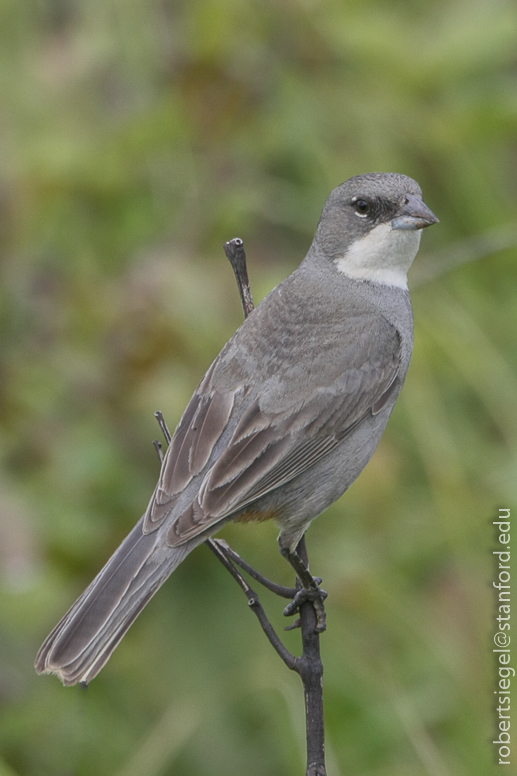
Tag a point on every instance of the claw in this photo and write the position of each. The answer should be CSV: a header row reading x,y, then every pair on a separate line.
x,y
317,596
309,591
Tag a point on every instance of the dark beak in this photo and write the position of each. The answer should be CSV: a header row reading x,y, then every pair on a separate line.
x,y
413,214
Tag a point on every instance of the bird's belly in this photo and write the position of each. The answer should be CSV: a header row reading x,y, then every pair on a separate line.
x,y
296,503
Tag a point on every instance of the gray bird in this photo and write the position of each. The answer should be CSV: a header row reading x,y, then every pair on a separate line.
x,y
285,419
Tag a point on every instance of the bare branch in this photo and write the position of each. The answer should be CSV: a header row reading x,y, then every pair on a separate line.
x,y
284,592
159,449
254,603
163,425
234,250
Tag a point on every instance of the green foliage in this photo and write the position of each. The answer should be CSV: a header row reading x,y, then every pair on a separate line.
x,y
135,139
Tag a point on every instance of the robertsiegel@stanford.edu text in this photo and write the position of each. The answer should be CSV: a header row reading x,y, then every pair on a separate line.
x,y
502,638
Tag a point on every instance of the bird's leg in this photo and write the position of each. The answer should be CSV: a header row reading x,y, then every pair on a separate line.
x,y
310,589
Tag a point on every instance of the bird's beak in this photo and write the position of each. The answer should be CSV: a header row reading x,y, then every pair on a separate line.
x,y
413,214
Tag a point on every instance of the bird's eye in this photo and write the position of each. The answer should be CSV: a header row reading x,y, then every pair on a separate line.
x,y
362,207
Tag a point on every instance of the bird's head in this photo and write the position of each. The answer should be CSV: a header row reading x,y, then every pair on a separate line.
x,y
371,227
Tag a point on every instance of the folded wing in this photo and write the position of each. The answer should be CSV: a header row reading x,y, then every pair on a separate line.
x,y
267,449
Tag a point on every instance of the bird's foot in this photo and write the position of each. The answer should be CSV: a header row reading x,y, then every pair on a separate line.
x,y
310,590
316,595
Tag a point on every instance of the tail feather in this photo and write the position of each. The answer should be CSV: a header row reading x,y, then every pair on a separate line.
x,y
82,642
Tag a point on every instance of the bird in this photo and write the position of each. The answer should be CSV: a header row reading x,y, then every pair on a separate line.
x,y
285,419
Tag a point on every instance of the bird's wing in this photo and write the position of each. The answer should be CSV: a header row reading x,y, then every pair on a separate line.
x,y
267,448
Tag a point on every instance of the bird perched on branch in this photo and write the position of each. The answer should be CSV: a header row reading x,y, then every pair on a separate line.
x,y
285,419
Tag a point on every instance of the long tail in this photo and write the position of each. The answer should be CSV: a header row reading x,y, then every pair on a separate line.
x,y
82,642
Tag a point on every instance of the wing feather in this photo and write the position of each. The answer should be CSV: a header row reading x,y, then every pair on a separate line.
x,y
274,440
255,465
202,424
212,425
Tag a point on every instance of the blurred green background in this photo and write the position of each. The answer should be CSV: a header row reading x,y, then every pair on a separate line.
x,y
135,138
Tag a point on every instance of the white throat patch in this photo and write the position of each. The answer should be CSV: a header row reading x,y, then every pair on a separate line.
x,y
382,256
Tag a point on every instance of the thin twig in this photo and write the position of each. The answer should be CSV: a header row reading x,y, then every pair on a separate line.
x,y
163,425
254,603
284,592
159,449
234,250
